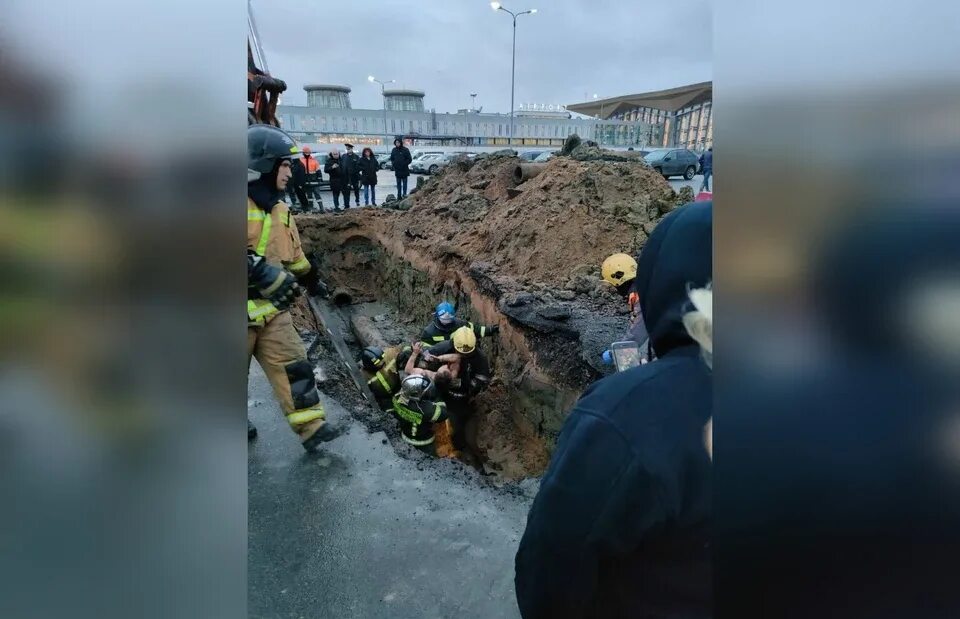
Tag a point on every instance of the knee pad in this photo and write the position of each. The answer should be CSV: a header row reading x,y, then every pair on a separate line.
x,y
303,385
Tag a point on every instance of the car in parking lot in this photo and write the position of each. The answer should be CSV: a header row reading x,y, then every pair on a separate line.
x,y
427,164
545,157
674,162
530,155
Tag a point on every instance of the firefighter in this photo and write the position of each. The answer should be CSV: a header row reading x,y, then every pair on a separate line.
x,y
472,376
445,323
272,238
620,271
417,408
381,370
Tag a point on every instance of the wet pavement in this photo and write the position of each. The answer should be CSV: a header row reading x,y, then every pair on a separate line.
x,y
359,531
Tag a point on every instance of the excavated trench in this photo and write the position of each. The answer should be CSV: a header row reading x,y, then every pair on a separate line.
x,y
508,244
379,294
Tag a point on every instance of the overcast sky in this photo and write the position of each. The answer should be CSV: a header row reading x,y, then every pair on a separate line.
x,y
450,48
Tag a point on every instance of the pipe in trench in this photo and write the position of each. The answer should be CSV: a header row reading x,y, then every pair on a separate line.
x,y
526,171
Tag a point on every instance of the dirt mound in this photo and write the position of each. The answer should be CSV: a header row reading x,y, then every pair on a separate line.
x,y
572,213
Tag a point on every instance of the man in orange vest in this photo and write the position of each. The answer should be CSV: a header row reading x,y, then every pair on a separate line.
x,y
311,185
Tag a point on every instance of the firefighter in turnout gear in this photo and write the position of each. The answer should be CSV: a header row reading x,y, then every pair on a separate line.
x,y
471,376
382,370
273,244
445,323
417,408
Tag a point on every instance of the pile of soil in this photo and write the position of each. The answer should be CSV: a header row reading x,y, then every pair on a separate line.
x,y
578,210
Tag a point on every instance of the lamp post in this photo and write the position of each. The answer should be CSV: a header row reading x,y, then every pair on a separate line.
x,y
496,6
601,119
382,94
473,105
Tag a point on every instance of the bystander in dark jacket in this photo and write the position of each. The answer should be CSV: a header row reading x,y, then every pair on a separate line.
x,y
620,526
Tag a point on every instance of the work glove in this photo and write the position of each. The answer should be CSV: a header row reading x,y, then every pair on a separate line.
x,y
275,284
312,282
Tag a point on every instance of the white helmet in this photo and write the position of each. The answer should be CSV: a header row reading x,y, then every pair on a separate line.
x,y
414,386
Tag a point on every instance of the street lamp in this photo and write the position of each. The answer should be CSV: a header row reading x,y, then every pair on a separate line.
x,y
372,79
601,118
473,105
496,6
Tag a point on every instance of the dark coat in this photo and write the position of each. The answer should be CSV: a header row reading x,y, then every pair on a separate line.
x,y
368,170
336,175
620,525
400,158
299,176
351,168
706,162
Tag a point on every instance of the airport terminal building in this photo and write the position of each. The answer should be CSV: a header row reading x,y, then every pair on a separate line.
x,y
329,118
679,117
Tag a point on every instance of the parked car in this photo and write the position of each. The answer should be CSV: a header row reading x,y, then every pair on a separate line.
x,y
530,155
545,157
674,162
427,164
384,160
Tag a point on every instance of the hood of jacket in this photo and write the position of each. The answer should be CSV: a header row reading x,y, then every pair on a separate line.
x,y
677,257
264,192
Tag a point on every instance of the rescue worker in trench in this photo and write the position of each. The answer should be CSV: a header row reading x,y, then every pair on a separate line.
x,y
620,271
382,370
472,377
273,239
417,407
445,323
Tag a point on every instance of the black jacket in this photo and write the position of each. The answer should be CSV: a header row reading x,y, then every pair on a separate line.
x,y
368,170
351,168
299,173
336,175
400,158
417,417
619,527
437,332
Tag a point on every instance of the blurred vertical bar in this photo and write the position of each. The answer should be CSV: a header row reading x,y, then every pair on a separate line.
x,y
837,238
122,450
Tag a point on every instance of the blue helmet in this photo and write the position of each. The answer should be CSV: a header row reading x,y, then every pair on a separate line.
x,y
445,308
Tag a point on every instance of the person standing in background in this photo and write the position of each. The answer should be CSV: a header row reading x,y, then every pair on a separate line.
x,y
400,158
369,166
351,166
313,176
334,170
295,190
706,168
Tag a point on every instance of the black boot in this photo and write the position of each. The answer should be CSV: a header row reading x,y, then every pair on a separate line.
x,y
251,430
326,433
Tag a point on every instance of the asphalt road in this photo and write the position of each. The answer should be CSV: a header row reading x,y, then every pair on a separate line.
x,y
359,531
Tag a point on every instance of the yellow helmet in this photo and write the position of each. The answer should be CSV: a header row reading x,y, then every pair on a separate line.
x,y
619,269
464,340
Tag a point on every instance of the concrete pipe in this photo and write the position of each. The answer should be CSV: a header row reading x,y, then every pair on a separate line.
x,y
367,333
341,297
526,171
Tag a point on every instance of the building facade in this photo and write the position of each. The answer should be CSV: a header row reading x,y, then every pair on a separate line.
x,y
318,124
403,100
677,117
328,96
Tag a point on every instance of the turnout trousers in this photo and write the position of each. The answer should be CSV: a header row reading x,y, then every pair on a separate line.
x,y
279,351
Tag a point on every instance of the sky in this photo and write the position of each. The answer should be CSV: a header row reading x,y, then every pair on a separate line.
x,y
568,50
